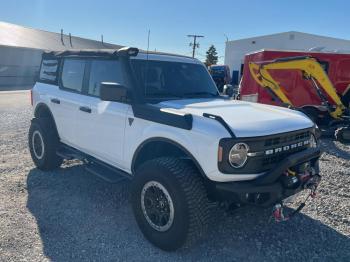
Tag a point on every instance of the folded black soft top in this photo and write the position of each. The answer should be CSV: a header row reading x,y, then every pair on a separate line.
x,y
82,52
125,51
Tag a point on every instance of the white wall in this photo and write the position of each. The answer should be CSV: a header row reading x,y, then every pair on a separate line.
x,y
18,66
236,50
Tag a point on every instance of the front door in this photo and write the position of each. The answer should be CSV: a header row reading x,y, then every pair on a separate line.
x,y
102,123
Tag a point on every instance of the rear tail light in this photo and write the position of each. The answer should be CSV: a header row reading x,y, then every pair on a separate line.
x,y
31,97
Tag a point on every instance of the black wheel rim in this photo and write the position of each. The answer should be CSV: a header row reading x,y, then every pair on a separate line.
x,y
38,144
157,206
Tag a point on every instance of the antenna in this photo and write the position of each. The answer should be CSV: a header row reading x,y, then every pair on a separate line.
x,y
149,33
70,39
146,74
102,39
62,37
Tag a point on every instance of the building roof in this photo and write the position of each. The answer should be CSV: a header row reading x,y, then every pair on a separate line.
x,y
310,51
19,36
288,33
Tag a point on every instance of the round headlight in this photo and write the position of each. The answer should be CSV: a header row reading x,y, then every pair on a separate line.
x,y
313,141
238,155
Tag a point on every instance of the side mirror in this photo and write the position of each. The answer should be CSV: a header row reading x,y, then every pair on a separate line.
x,y
115,92
230,90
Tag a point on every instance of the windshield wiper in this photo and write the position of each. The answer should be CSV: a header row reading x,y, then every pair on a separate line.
x,y
184,95
200,93
164,94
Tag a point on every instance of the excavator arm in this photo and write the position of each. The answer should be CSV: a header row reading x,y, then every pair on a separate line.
x,y
311,70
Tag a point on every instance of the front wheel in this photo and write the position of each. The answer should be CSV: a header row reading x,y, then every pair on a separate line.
x,y
170,203
342,135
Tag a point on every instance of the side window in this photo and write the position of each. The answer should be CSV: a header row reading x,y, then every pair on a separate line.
x,y
73,74
104,71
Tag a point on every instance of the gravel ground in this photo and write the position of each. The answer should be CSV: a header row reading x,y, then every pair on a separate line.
x,y
70,215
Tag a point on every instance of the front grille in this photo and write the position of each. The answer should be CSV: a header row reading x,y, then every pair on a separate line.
x,y
272,160
270,151
287,139
272,143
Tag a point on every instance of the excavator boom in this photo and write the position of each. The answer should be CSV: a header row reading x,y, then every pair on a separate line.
x,y
311,69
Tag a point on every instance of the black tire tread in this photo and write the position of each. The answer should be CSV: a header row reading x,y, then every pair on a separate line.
x,y
339,135
195,194
51,140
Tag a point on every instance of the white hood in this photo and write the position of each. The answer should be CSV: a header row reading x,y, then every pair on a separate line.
x,y
246,119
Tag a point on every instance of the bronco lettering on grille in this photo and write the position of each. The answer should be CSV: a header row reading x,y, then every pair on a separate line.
x,y
286,148
281,149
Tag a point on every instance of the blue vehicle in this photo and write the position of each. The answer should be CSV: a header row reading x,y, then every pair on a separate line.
x,y
221,75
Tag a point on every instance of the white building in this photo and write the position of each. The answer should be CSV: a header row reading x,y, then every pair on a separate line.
x,y
235,50
21,49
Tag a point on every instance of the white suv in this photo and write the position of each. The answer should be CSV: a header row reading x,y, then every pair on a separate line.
x,y
159,120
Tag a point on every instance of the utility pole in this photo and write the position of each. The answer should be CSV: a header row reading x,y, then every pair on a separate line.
x,y
194,44
226,38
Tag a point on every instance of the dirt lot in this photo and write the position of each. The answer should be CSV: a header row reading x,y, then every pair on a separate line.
x,y
69,215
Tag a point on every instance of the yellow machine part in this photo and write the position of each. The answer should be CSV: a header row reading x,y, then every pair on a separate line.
x,y
310,68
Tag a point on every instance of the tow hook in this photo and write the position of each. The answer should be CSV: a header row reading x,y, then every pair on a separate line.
x,y
278,209
277,213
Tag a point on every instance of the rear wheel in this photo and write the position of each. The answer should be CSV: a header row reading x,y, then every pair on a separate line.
x,y
43,142
170,203
342,135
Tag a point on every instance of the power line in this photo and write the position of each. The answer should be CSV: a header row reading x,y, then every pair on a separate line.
x,y
194,44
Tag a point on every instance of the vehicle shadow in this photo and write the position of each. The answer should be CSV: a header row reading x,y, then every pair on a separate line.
x,y
336,149
82,218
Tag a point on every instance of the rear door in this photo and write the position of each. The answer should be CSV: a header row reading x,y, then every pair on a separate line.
x,y
102,123
65,102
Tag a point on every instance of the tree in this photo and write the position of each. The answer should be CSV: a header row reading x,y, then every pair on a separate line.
x,y
212,56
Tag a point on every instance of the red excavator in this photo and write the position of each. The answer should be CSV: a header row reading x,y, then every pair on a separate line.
x,y
315,83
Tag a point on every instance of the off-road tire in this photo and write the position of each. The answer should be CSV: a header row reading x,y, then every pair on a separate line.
x,y
340,136
186,189
50,160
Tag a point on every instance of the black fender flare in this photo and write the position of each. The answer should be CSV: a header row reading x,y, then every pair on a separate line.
x,y
47,108
166,140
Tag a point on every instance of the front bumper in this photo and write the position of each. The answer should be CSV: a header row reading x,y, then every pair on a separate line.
x,y
271,187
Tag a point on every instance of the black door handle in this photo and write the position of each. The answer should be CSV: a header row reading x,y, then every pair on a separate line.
x,y
55,100
85,109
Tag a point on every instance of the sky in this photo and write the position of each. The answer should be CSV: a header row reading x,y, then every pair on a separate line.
x,y
127,22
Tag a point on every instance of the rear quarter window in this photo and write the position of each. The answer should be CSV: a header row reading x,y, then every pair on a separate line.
x,y
49,71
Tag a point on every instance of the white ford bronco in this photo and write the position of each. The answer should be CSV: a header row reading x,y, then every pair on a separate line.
x,y
159,120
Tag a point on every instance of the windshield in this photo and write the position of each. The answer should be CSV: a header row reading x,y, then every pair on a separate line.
x,y
163,79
